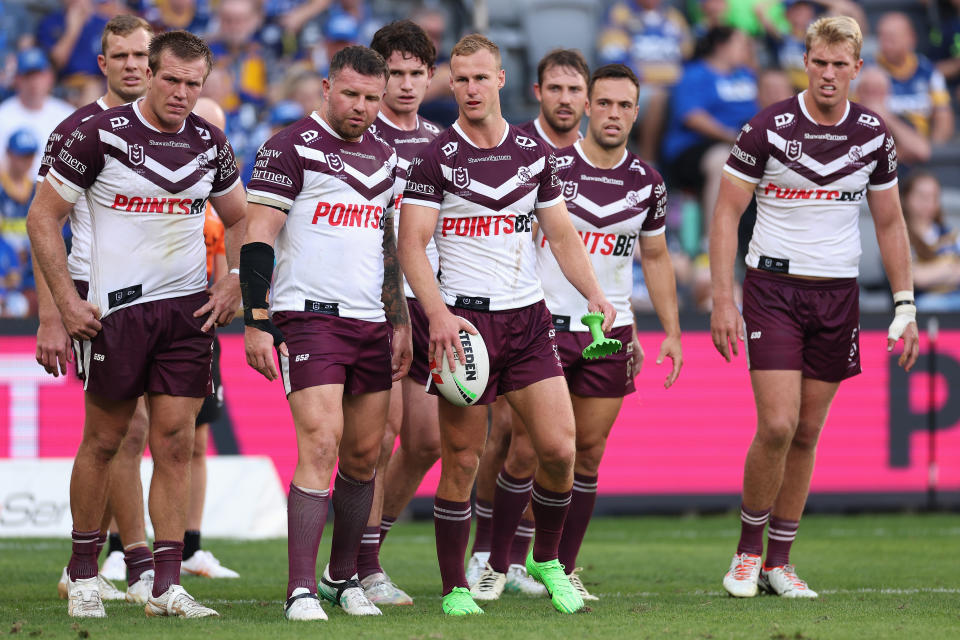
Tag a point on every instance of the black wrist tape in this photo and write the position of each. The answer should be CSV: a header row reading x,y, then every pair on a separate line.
x,y
256,274
900,303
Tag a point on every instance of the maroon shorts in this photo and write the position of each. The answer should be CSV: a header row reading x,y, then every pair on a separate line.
x,y
520,346
82,288
154,347
797,324
326,349
420,327
610,377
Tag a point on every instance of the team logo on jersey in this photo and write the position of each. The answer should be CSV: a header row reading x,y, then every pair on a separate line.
x,y
564,161
855,153
461,178
633,198
523,175
309,136
449,149
782,119
794,150
135,154
334,162
525,142
431,127
118,121
635,165
869,120
202,162
204,133
570,189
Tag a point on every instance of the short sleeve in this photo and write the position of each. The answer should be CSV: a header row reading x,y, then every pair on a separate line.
x,y
884,174
550,191
277,174
425,180
80,159
228,175
656,220
54,143
748,157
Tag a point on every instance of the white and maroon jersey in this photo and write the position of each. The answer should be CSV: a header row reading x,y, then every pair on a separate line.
x,y
336,195
78,262
407,144
810,182
486,200
611,209
146,191
533,129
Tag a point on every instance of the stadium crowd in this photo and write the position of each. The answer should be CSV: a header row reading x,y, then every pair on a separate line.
x,y
739,55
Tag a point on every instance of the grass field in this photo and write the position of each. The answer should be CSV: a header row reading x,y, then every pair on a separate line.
x,y
889,576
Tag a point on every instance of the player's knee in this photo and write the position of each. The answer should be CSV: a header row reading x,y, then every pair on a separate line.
x,y
588,458
557,459
521,461
806,437
358,464
776,433
103,446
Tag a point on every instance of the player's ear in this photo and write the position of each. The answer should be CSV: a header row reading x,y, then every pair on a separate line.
x,y
501,78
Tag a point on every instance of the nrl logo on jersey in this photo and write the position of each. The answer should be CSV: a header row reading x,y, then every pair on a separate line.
x,y
204,133
525,142
309,136
449,149
793,150
334,162
135,154
570,189
461,178
636,166
782,119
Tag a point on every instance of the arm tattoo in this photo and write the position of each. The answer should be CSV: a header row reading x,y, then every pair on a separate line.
x,y
394,302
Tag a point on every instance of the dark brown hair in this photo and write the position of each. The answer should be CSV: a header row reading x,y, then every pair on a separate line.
x,y
564,58
406,37
363,60
613,71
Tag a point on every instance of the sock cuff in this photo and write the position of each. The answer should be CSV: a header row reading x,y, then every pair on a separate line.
x,y
343,477
169,546
484,509
451,510
550,498
754,517
309,494
584,483
85,536
514,485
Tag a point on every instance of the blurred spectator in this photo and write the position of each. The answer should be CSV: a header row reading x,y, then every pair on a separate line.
x,y
873,92
708,14
946,46
16,193
81,89
438,104
281,115
341,30
715,97
919,91
244,129
773,85
13,304
236,49
652,38
72,36
32,107
305,87
788,47
936,247
354,16
16,33
289,24
166,15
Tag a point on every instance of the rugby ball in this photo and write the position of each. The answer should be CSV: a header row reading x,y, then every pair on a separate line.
x,y
464,386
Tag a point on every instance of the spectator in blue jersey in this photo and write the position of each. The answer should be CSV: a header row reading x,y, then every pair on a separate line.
x,y
16,193
936,247
236,49
72,36
282,114
788,46
873,92
918,91
714,98
653,39
13,304
167,15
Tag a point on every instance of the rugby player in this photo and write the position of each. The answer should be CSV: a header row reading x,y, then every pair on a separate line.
x,y
616,201
323,192
124,44
410,56
146,170
810,161
561,90
479,186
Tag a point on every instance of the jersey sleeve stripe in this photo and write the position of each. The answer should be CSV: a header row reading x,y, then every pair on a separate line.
x,y
66,183
548,203
269,199
653,232
882,187
217,194
740,175
422,203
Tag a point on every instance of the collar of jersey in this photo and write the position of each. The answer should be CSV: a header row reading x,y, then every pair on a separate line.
x,y
328,129
806,114
545,137
579,150
395,125
102,103
506,132
136,110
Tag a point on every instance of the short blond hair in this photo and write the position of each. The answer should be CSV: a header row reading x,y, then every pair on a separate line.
x,y
474,42
835,30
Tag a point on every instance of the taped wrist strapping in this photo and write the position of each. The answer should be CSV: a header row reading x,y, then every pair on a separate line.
x,y
904,312
256,273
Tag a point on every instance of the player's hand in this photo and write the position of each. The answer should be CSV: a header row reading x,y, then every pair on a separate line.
x,y
911,345
726,328
223,303
54,349
445,339
402,351
636,355
670,348
81,319
258,346
599,302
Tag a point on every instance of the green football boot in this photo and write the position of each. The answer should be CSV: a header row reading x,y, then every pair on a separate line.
x,y
564,597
